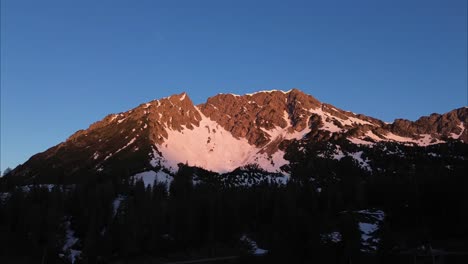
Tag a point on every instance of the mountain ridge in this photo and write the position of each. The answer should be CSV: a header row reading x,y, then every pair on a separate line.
x,y
226,132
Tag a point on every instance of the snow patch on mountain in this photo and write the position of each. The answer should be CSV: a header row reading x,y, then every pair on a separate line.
x,y
329,120
373,136
327,125
113,117
215,150
426,139
359,141
211,147
269,91
120,149
457,136
283,133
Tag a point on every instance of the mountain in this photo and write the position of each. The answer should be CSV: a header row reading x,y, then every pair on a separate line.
x,y
269,177
268,129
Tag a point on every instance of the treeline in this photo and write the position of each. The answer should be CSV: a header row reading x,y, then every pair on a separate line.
x,y
424,201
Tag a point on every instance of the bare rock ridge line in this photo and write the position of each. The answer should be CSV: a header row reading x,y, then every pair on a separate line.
x,y
246,116
226,132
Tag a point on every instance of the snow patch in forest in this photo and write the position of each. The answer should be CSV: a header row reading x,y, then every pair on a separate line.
x,y
27,188
378,215
367,230
333,237
150,177
254,249
369,225
248,179
283,179
362,163
338,153
70,241
116,204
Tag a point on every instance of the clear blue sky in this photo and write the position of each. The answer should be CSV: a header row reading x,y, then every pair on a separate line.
x,y
66,64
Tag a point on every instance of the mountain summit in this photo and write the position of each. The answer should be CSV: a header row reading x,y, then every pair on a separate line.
x,y
267,129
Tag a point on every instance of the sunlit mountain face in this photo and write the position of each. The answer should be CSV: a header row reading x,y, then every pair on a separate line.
x,y
268,129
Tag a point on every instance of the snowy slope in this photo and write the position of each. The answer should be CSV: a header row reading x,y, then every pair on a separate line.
x,y
213,148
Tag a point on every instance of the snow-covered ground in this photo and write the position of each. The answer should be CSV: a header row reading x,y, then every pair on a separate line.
x,y
362,163
370,222
70,241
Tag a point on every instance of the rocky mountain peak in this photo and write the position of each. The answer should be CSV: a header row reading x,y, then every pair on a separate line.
x,y
227,132
248,116
449,125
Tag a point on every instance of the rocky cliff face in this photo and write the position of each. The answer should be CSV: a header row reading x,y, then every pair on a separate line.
x,y
226,132
448,125
250,116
